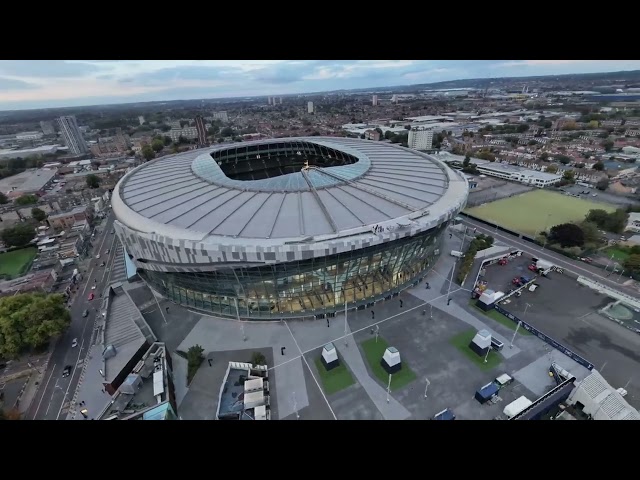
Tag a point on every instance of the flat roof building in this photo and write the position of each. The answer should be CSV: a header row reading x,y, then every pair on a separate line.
x,y
519,174
27,183
244,393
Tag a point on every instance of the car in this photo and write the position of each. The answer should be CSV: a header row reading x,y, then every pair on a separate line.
x,y
102,264
85,313
93,287
67,371
74,343
107,252
97,256
112,232
91,296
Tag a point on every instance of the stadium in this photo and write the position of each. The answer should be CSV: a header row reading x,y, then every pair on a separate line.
x,y
288,227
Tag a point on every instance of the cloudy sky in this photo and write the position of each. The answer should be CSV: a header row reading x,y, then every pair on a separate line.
x,y
58,83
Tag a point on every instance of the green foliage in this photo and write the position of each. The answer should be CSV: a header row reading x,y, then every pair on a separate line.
x,y
19,235
603,184
257,358
38,214
194,359
614,222
29,321
157,145
148,153
599,166
3,199
26,200
479,243
567,235
632,264
93,181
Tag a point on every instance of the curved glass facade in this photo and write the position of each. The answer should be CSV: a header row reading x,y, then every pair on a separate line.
x,y
315,287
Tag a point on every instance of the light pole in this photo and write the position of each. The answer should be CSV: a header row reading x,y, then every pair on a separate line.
x,y
487,355
346,325
244,337
455,263
295,406
514,334
389,388
620,276
426,387
431,311
377,332
464,236
609,263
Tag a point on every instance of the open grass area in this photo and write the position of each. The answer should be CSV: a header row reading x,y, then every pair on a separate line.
x,y
335,379
17,262
535,211
462,341
373,352
618,254
498,317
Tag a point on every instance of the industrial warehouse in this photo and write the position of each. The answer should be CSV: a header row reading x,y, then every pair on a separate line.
x,y
286,228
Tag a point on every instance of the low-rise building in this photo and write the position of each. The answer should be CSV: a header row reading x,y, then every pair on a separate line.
x,y
244,393
189,133
66,220
519,174
598,400
372,135
633,224
29,182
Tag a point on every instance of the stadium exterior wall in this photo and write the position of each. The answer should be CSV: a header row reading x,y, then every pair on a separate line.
x,y
271,279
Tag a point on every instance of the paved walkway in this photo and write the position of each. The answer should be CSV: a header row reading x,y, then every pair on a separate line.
x,y
352,356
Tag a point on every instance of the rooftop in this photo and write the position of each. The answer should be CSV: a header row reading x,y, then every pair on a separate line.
x,y
27,182
284,188
244,394
509,169
125,333
612,405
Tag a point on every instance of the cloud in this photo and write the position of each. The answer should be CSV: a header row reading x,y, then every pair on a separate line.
x,y
12,84
48,83
45,68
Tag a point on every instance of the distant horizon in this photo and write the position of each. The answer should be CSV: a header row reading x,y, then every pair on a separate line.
x,y
58,84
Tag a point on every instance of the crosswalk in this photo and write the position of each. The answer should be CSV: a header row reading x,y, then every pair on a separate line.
x,y
118,269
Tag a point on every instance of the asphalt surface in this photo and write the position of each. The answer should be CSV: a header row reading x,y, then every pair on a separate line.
x,y
51,401
575,266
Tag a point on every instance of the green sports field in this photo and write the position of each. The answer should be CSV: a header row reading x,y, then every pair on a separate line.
x,y
14,264
532,212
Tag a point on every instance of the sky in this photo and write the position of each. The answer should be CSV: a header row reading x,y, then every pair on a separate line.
x,y
67,83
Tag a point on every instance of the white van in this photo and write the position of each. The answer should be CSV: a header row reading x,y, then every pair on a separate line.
x,y
457,254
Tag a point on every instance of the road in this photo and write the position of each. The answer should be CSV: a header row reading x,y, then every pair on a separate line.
x,y
574,266
55,392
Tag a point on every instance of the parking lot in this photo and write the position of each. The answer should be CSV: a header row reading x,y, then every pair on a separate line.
x,y
569,313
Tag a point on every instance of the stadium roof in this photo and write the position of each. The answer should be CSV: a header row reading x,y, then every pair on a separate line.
x,y
189,192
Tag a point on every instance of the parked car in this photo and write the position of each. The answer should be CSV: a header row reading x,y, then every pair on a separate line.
x,y
97,256
85,313
91,296
74,343
67,371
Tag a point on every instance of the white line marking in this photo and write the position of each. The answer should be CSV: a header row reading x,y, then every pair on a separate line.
x,y
311,371
87,281
45,389
73,372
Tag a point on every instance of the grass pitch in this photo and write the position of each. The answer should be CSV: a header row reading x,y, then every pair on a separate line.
x,y
15,263
532,212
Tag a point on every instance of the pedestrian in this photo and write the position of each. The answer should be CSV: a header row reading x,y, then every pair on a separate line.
x,y
428,286
167,309
328,325
401,303
448,302
373,315
282,349
209,360
450,235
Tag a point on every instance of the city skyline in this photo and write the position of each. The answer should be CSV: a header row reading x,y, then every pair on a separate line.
x,y
30,84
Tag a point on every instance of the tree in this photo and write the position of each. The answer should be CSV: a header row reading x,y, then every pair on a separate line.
x,y
166,140
93,181
30,320
228,131
612,222
19,235
257,358
26,200
632,264
567,235
157,144
603,184
599,166
194,359
568,176
3,199
523,127
148,153
38,214
563,159
607,145
552,169
591,232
